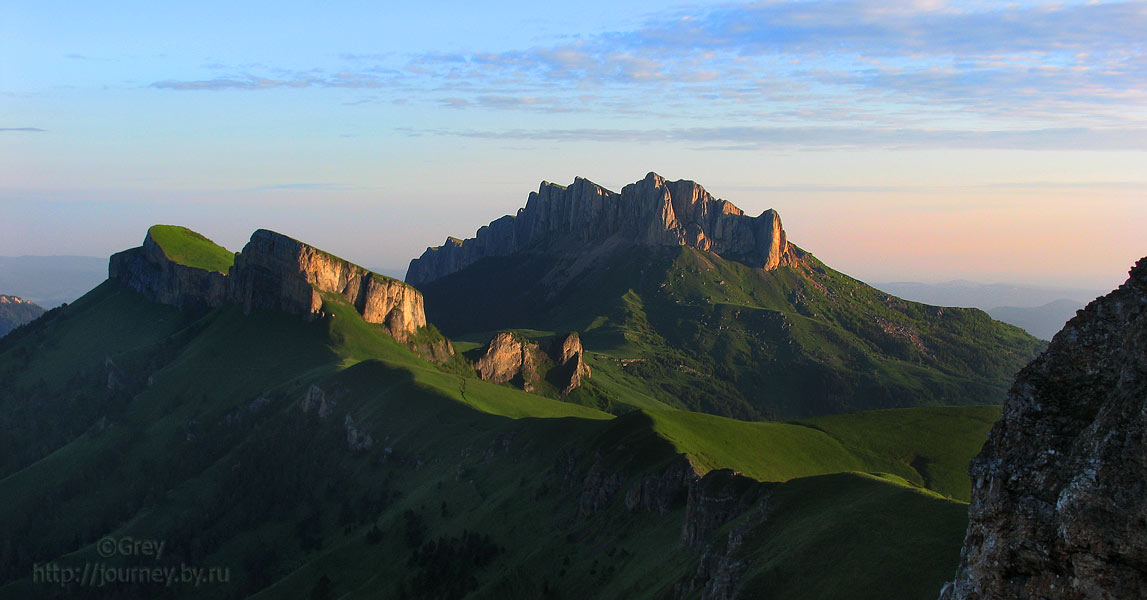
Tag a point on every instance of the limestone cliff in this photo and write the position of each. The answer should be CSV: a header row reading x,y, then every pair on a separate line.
x,y
1059,506
512,358
148,270
280,273
652,211
508,357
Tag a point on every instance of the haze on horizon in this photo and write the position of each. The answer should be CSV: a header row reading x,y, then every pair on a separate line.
x,y
899,141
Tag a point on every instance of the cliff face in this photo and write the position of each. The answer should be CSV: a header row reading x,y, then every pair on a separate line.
x,y
649,212
278,272
149,271
1059,507
274,272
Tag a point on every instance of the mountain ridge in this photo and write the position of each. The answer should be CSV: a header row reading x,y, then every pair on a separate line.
x,y
178,267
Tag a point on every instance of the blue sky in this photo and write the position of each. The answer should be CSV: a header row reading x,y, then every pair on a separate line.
x,y
899,140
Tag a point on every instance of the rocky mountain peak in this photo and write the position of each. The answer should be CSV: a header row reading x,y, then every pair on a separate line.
x,y
649,212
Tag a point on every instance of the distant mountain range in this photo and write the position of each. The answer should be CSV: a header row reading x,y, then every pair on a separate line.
x,y
1040,310
1041,321
986,295
15,312
51,280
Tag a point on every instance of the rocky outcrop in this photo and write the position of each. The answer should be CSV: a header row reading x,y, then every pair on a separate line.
x,y
664,491
598,489
1059,505
149,271
511,357
282,273
714,500
570,368
719,574
315,399
279,273
356,439
652,211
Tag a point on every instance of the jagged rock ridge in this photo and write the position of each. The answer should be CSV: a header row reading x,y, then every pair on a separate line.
x,y
510,356
652,212
1059,506
273,272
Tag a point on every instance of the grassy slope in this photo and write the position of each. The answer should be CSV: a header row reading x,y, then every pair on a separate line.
x,y
174,457
191,249
937,442
685,329
882,541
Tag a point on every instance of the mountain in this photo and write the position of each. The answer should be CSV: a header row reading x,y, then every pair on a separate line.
x,y
1058,504
15,311
1041,321
682,300
261,424
51,280
986,295
1039,310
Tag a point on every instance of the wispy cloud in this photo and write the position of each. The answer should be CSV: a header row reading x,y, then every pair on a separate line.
x,y
308,186
287,79
31,129
903,73
752,138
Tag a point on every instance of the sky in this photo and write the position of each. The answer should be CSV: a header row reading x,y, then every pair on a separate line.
x,y
903,140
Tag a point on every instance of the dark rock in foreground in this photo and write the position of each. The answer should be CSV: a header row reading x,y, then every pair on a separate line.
x,y
1059,506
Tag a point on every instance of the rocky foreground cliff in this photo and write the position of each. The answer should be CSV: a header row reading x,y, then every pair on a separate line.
x,y
1059,507
651,212
275,272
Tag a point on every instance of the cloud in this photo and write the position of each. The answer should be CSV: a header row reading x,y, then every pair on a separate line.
x,y
30,129
248,83
309,186
836,68
881,29
288,79
753,138
1090,53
